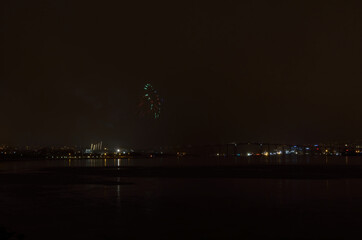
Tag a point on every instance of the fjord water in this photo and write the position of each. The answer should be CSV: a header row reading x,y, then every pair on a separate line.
x,y
61,199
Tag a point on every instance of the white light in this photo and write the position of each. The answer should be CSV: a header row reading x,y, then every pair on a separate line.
x,y
118,150
248,154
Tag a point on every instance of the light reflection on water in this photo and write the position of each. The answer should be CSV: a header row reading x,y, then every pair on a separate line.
x,y
26,164
195,208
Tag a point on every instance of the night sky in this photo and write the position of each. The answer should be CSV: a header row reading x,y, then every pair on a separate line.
x,y
274,71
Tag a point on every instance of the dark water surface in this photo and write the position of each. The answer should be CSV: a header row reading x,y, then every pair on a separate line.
x,y
248,198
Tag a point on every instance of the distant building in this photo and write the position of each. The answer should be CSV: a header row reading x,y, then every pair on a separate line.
x,y
94,148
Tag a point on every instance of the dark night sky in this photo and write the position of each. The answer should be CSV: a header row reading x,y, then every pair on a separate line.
x,y
277,71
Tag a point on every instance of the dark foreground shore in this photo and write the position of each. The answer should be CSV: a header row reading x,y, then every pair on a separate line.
x,y
184,202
